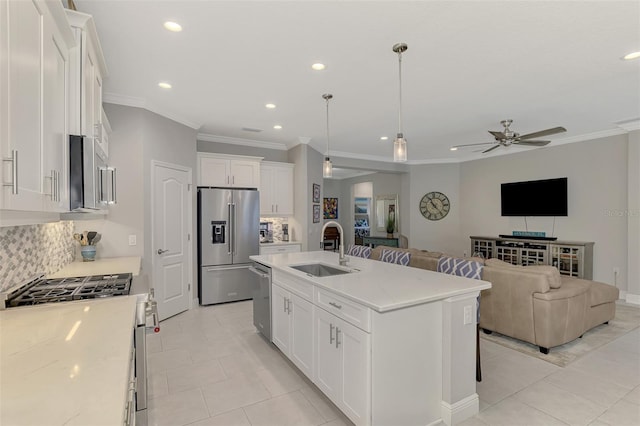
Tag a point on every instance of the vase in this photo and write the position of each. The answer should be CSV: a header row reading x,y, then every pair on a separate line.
x,y
88,253
389,235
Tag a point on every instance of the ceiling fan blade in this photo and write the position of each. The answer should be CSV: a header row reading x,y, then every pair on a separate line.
x,y
498,135
547,132
473,144
532,143
491,149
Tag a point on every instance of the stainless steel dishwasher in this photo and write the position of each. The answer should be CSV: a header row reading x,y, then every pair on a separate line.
x,y
262,300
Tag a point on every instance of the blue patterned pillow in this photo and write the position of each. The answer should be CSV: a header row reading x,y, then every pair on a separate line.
x,y
359,251
460,267
395,256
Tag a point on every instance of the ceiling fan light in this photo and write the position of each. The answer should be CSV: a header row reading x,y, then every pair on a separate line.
x,y
327,168
400,149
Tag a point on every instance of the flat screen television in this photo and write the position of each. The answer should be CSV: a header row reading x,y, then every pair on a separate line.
x,y
535,198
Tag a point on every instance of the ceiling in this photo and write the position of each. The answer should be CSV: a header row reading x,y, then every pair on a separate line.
x,y
468,66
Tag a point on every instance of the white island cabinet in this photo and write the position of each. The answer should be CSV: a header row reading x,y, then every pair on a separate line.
x,y
390,344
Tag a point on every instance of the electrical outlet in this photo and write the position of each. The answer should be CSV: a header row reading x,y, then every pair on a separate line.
x,y
132,240
464,253
468,314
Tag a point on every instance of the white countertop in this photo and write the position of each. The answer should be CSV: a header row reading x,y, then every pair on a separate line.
x,y
378,285
50,376
280,243
109,265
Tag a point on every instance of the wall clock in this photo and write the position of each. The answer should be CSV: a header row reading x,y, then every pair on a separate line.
x,y
434,205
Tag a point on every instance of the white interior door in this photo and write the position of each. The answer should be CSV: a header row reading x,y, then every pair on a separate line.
x,y
171,246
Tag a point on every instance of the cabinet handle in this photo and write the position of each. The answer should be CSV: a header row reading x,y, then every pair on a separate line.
x,y
335,305
331,339
114,200
57,185
276,208
52,185
337,341
284,305
14,171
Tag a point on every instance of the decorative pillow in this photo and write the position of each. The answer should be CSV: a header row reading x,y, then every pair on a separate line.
x,y
460,267
396,256
359,251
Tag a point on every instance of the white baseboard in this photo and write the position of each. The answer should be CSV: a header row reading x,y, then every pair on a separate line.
x,y
458,412
632,298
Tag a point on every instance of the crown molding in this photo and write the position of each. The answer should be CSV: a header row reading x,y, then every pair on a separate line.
x,y
590,136
629,125
114,98
243,142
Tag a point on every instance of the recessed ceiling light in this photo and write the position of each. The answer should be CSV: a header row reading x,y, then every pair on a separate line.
x,y
173,26
318,66
164,85
632,55
277,127
270,106
384,138
453,148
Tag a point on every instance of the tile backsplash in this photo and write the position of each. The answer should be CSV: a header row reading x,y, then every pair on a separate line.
x,y
277,226
31,249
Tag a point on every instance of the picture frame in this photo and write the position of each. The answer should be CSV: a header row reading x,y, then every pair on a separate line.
x,y
316,213
330,208
316,193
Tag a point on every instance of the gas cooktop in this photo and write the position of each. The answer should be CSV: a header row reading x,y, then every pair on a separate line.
x,y
49,290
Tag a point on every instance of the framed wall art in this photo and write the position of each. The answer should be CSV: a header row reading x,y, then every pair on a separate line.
x,y
316,193
316,213
330,208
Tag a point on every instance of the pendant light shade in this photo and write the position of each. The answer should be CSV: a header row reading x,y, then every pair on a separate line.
x,y
400,143
327,167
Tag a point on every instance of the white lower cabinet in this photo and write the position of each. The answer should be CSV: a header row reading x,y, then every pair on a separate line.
x,y
343,365
292,327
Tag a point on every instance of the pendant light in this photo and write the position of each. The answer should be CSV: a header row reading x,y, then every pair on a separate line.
x,y
400,143
327,167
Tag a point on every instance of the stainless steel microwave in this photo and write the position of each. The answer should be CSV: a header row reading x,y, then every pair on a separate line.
x,y
92,183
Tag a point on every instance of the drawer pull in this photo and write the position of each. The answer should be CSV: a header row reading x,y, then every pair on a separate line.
x,y
335,305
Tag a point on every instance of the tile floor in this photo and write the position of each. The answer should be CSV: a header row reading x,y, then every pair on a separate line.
x,y
208,366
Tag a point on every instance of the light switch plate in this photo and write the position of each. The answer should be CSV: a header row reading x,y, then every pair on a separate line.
x,y
468,313
132,240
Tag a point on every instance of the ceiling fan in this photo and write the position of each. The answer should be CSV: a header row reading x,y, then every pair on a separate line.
x,y
508,137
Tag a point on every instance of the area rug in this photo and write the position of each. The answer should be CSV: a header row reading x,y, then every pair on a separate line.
x,y
627,318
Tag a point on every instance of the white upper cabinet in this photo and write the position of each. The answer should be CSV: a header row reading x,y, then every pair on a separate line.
x,y
230,171
88,68
276,188
34,43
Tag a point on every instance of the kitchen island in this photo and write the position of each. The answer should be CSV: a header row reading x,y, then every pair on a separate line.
x,y
67,363
388,344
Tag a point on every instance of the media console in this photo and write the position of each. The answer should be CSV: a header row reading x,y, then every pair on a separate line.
x,y
572,258
528,237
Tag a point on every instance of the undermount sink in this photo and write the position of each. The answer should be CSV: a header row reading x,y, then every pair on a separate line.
x,y
319,269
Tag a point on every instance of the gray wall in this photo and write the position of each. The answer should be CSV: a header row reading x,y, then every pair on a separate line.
x,y
444,234
597,174
138,137
633,219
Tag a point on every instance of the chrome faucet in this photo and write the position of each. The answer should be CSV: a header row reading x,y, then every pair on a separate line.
x,y
343,259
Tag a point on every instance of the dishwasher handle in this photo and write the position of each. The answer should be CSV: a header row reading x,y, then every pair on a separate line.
x,y
258,272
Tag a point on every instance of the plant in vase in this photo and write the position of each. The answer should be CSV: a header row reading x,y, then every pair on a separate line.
x,y
391,225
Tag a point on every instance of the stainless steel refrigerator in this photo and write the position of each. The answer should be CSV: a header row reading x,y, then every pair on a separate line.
x,y
228,233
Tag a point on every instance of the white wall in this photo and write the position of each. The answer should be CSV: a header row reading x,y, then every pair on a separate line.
x,y
633,219
597,186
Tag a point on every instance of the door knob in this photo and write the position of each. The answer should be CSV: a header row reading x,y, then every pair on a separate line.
x,y
160,251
